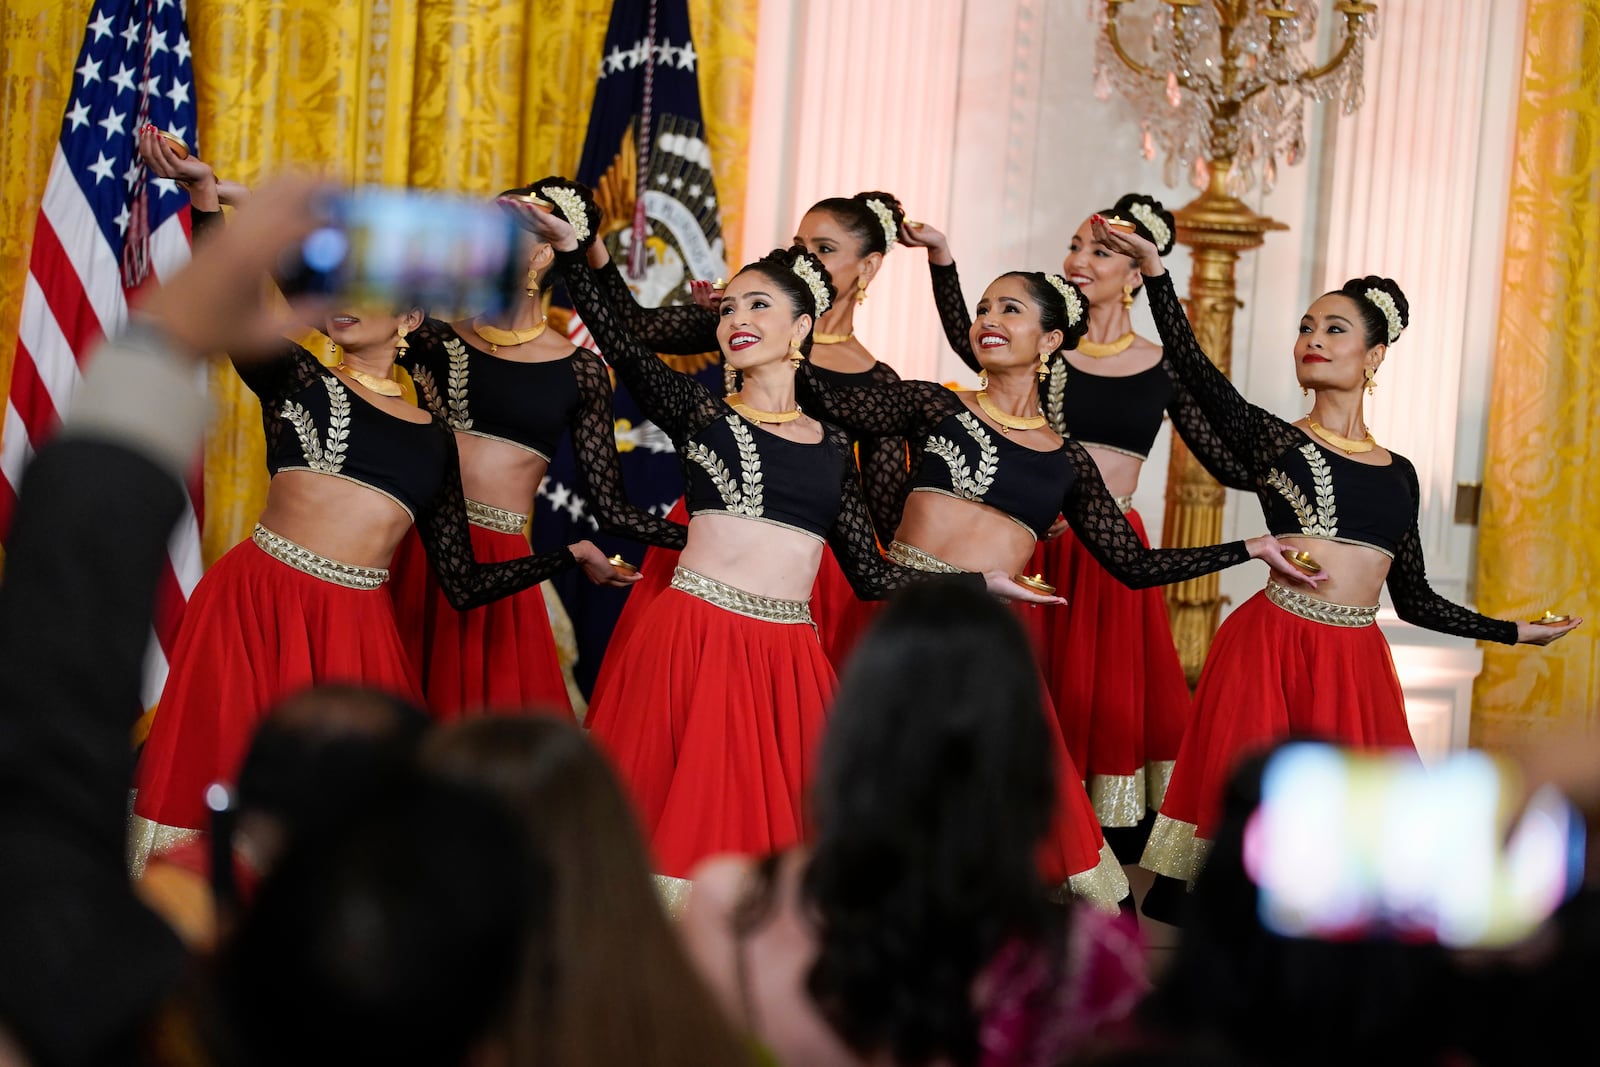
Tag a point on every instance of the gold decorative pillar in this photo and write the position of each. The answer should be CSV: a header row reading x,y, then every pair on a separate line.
x,y
1217,226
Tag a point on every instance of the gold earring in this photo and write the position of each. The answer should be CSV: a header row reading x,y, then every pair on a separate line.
x,y
333,349
401,344
1305,391
983,379
794,354
1127,297
861,290
1044,365
1372,380
533,281
730,378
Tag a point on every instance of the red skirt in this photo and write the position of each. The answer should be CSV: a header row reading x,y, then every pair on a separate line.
x,y
713,720
1114,676
841,617
655,575
500,657
1271,676
256,631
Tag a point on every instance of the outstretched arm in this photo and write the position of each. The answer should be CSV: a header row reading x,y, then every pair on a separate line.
x,y
677,330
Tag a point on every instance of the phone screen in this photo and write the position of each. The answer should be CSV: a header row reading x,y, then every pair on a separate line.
x,y
401,248
1350,844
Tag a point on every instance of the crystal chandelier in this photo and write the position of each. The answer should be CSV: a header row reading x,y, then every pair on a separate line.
x,y
1225,81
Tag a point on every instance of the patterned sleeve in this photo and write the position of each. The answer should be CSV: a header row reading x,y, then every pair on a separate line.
x,y
885,470
896,408
1203,442
594,447
953,314
1414,599
854,546
676,402
442,524
1250,434
1102,527
678,330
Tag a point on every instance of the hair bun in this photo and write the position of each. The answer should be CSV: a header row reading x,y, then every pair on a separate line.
x,y
1386,297
886,211
573,202
1153,221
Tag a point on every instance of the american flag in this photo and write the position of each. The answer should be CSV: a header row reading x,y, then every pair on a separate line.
x,y
104,230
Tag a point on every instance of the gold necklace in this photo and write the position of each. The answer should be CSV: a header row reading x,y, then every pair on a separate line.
x,y
381,386
1347,445
494,337
736,402
831,338
1008,422
1102,349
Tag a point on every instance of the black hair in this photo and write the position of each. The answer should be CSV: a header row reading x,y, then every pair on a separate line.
x,y
1374,323
591,211
854,214
778,267
934,789
1123,209
1053,313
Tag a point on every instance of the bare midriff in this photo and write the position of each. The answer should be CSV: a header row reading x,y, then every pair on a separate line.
x,y
753,555
498,473
964,533
335,517
1355,573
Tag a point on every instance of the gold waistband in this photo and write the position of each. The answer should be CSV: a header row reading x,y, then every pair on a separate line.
x,y
913,557
1125,503
1309,607
729,598
303,559
497,519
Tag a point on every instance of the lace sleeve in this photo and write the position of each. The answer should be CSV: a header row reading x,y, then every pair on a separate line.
x,y
1249,433
467,583
677,330
894,408
675,402
594,447
1203,442
854,546
1414,599
953,314
885,470
1104,531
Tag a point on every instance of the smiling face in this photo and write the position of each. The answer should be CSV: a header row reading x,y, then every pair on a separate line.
x,y
359,329
1006,331
1099,272
1331,351
842,252
757,321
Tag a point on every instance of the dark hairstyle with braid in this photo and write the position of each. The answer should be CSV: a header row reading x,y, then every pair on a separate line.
x,y
1374,322
778,267
855,214
1053,311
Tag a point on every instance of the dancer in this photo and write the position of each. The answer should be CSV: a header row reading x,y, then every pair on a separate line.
x,y
511,390
1287,661
1113,673
851,236
989,477
713,707
302,600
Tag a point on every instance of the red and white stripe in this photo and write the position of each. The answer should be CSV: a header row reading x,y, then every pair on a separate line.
x,y
74,296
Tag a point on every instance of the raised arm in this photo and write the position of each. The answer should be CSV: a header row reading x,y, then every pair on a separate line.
x,y
676,330
946,288
1100,524
1414,599
1203,442
594,446
676,402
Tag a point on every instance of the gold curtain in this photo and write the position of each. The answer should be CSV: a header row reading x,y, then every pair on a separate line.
x,y
1540,541
473,95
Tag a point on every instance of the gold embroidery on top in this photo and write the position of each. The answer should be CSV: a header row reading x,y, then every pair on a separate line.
x,y
968,486
1055,407
1324,520
459,418
428,390
747,502
323,457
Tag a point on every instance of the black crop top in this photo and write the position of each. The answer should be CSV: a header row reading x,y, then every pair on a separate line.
x,y
956,453
882,460
313,421
531,405
1307,490
734,467
1122,414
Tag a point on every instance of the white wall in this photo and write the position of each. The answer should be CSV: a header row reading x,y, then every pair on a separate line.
x,y
982,116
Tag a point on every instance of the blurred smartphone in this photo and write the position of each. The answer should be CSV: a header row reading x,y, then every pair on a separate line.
x,y
403,248
1352,844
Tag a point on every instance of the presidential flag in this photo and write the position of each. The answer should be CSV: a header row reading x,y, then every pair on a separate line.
x,y
105,229
646,157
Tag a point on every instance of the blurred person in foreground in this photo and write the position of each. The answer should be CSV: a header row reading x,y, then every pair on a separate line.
x,y
916,929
